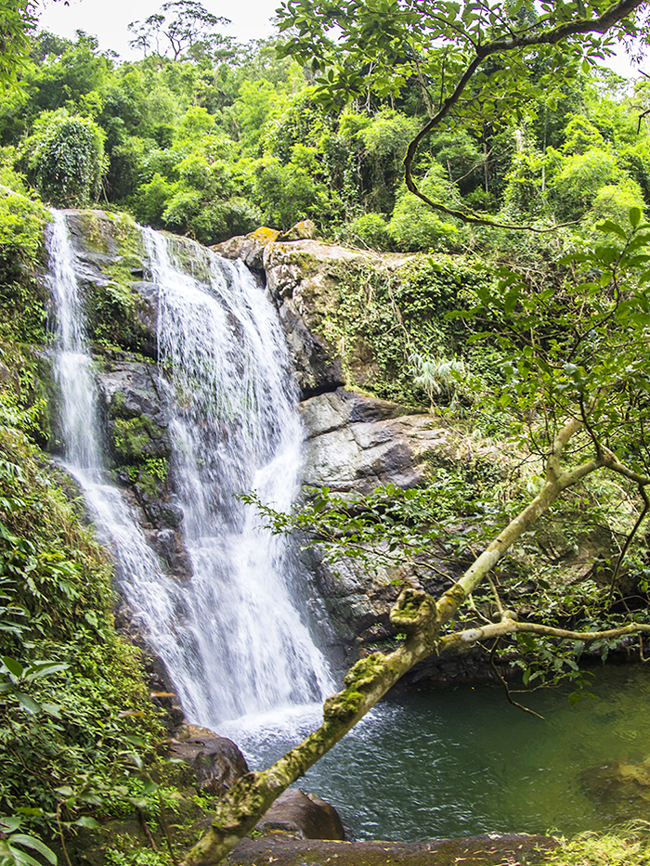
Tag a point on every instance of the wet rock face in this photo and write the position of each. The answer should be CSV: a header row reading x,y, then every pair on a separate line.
x,y
301,275
111,264
122,310
216,761
355,443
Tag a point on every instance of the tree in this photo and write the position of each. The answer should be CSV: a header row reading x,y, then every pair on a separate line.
x,y
586,408
17,19
181,25
479,64
576,353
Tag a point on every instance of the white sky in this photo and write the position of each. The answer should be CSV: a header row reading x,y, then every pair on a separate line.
x,y
108,19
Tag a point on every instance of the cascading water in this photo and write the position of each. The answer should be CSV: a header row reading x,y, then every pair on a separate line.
x,y
231,638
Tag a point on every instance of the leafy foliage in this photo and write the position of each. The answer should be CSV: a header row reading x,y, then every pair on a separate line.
x,y
67,159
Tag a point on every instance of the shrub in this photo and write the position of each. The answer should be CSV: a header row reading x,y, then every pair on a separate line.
x,y
370,230
68,160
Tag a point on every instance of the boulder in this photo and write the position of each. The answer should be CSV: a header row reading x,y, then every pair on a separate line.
x,y
302,815
216,761
355,443
302,276
249,248
302,231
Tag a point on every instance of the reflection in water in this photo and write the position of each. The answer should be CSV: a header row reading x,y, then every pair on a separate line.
x,y
463,761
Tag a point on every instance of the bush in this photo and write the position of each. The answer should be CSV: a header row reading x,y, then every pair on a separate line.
x,y
370,230
415,227
68,160
580,177
614,201
287,194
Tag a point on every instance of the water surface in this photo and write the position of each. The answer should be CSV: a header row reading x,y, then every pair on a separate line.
x,y
463,761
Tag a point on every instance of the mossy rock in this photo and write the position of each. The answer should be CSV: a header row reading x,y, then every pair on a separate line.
x,y
138,439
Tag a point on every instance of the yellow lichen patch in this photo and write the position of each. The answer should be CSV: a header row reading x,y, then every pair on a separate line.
x,y
264,235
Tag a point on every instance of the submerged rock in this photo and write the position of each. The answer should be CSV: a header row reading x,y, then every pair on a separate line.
x,y
303,815
620,786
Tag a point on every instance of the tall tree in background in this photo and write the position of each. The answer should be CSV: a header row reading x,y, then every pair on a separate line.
x,y
477,64
177,28
17,20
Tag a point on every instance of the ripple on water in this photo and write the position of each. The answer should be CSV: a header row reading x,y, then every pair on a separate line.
x,y
463,761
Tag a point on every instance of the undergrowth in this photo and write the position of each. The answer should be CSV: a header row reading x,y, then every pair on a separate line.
x,y
74,709
627,845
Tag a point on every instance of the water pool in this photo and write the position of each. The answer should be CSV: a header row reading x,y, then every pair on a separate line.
x,y
463,761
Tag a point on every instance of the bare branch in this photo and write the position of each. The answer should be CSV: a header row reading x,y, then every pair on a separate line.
x,y
628,540
510,625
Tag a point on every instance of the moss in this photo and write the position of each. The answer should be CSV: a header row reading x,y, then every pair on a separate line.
x,y
138,439
379,313
66,597
413,609
365,672
148,479
115,310
114,314
342,706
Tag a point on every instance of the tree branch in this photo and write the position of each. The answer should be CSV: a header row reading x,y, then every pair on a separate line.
x,y
510,625
415,613
527,39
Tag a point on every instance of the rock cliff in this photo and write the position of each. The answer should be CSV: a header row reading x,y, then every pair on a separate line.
x,y
353,442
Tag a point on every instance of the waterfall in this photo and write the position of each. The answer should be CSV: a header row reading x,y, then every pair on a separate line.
x,y
232,638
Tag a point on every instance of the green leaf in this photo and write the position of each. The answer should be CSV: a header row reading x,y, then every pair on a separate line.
x,y
610,227
36,670
635,216
88,822
134,740
11,823
27,703
36,844
14,667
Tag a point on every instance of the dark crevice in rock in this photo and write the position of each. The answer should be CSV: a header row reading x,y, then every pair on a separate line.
x,y
325,388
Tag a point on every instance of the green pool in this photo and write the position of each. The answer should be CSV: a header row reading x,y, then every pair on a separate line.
x,y
463,761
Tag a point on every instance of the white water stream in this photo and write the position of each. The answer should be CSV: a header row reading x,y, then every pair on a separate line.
x,y
232,638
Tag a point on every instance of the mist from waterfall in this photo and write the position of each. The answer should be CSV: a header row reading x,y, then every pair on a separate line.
x,y
231,637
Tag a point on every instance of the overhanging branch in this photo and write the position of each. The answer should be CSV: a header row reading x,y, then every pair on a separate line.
x,y
503,45
510,625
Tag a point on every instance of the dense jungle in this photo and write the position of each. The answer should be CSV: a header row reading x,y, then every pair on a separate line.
x,y
446,208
